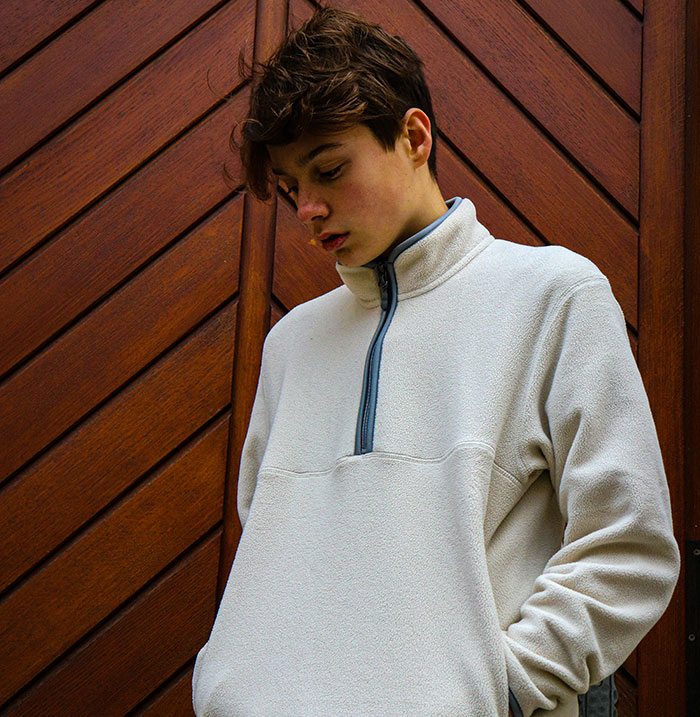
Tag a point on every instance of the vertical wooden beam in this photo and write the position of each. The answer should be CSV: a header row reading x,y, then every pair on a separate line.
x,y
691,289
660,348
253,315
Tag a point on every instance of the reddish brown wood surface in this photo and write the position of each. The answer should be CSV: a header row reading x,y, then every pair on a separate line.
x,y
118,283
661,656
83,63
605,35
94,574
24,25
46,504
173,701
253,321
509,45
126,658
115,237
691,259
131,328
114,137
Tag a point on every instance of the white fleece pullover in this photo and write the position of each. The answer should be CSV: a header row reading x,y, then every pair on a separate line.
x,y
484,510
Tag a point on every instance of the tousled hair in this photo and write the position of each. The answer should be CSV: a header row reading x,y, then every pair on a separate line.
x,y
334,72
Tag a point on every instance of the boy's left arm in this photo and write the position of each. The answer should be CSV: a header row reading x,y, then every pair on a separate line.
x,y
618,564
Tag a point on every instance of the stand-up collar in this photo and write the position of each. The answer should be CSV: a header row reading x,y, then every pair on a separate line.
x,y
427,258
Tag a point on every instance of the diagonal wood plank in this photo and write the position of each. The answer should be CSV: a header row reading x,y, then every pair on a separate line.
x,y
23,25
127,657
67,486
115,237
82,63
127,331
174,701
552,87
112,560
605,35
132,123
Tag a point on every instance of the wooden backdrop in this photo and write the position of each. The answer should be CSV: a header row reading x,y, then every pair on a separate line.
x,y
136,288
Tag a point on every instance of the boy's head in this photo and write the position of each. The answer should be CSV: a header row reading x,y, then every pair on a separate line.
x,y
342,113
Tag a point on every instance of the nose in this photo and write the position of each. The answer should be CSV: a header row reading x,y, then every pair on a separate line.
x,y
310,207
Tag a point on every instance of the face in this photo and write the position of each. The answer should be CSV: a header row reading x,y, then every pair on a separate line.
x,y
347,184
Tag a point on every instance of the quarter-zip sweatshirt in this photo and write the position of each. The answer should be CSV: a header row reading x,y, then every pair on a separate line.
x,y
451,491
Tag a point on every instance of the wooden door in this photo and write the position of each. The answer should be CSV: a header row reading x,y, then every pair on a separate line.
x,y
136,288
119,261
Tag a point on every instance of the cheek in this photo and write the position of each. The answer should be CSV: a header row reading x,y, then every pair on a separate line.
x,y
367,198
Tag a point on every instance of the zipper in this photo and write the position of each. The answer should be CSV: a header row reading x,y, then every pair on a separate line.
x,y
364,434
389,292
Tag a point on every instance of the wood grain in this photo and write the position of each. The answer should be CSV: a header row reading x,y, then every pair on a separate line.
x,y
114,558
118,338
126,658
59,494
116,237
554,89
121,132
24,25
83,63
605,35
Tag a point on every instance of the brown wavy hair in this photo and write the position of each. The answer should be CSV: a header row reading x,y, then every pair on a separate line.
x,y
334,72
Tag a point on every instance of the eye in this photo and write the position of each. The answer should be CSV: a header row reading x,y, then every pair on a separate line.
x,y
331,173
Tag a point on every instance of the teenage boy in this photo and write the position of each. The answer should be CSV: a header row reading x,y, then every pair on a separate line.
x,y
452,495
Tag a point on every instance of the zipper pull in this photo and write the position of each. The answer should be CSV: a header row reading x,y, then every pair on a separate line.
x,y
383,280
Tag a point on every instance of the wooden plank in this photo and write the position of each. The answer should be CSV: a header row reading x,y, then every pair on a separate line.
x,y
691,277
106,564
127,331
174,701
626,695
253,320
129,656
116,236
63,490
23,25
605,35
515,50
513,155
82,63
112,139
661,655
458,179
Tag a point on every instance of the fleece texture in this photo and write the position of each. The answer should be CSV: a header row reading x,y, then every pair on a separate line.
x,y
511,527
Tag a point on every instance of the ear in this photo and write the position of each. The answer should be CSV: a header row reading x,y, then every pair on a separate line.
x,y
416,134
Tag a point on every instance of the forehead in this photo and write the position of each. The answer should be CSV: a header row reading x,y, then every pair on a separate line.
x,y
294,156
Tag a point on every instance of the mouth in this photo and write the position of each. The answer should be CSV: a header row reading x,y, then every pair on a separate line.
x,y
334,241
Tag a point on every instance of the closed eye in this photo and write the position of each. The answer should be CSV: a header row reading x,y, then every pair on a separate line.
x,y
331,173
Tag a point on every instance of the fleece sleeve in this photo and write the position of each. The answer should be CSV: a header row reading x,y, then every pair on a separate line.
x,y
618,564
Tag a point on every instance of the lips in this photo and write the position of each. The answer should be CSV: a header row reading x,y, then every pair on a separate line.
x,y
330,235
332,241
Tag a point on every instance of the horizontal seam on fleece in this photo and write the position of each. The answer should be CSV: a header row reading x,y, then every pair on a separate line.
x,y
398,457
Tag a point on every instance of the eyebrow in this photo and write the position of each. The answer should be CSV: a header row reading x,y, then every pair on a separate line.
x,y
313,153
